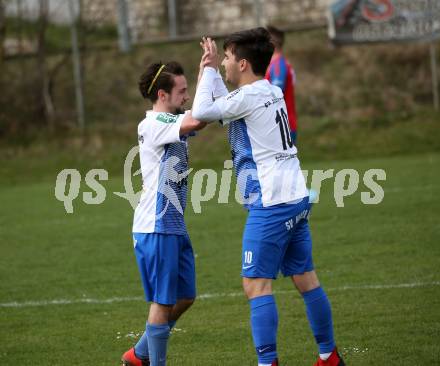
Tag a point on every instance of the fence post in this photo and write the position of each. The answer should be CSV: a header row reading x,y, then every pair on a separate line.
x,y
123,30
172,19
2,30
434,75
258,11
76,67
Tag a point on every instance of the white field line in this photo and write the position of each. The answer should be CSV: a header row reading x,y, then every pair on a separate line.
x,y
24,304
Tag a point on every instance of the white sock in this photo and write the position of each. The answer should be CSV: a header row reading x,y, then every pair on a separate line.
x,y
324,356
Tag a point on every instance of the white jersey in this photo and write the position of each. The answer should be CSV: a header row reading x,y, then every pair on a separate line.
x,y
164,163
265,161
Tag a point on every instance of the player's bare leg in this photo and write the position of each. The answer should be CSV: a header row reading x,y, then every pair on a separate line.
x,y
181,306
254,287
306,281
318,311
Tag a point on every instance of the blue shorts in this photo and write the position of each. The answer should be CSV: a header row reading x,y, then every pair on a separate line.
x,y
166,265
277,239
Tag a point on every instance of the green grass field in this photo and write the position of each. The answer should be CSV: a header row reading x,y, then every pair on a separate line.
x,y
70,292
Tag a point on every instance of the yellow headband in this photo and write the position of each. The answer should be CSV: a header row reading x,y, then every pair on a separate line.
x,y
155,78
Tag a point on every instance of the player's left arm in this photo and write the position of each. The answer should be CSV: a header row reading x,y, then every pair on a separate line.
x,y
227,108
220,89
206,106
209,54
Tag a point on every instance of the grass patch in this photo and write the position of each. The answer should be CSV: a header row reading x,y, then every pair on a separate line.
x,y
47,254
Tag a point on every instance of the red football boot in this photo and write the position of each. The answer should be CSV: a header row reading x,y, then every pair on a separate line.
x,y
129,358
334,360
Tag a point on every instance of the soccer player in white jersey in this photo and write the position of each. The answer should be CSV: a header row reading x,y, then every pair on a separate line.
x,y
161,243
276,236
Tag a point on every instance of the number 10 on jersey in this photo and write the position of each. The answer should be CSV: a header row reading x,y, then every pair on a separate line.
x,y
283,123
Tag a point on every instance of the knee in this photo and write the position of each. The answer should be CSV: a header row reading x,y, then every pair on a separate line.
x,y
248,288
306,282
255,287
187,302
159,313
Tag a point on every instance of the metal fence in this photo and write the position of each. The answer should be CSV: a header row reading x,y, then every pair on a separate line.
x,y
65,27
141,21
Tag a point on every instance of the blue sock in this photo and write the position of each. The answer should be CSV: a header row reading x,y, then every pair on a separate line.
x,y
141,347
264,322
319,314
158,335
171,324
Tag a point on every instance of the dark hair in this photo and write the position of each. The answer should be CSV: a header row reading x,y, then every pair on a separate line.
x,y
276,35
164,81
253,45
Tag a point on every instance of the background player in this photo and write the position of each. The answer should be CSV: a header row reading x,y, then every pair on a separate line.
x,y
282,74
162,246
276,236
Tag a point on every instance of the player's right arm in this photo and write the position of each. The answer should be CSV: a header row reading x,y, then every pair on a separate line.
x,y
190,124
166,128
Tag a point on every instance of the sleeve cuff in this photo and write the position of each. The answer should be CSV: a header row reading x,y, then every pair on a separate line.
x,y
210,70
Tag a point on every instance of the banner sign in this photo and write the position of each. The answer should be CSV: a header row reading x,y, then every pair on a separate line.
x,y
366,21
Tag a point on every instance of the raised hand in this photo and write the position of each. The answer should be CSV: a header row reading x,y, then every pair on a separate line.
x,y
210,55
205,55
